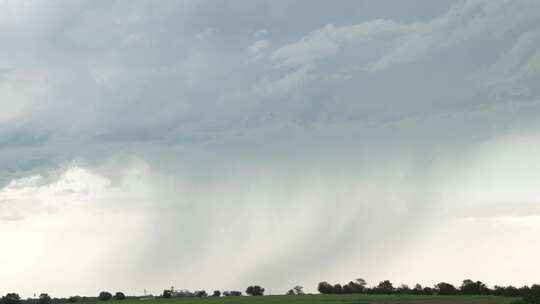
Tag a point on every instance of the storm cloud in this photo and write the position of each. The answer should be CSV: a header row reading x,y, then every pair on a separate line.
x,y
215,144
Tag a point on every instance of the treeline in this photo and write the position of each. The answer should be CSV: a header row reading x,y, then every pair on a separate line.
x,y
253,290
468,287
528,295
14,298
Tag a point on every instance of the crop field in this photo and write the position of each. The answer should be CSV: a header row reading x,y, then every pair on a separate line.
x,y
331,299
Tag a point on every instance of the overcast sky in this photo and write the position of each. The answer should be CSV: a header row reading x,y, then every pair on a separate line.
x,y
217,144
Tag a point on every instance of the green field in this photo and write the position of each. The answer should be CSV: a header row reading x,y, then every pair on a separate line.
x,y
331,299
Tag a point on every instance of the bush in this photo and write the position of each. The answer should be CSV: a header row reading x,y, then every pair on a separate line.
x,y
216,293
200,293
105,296
73,299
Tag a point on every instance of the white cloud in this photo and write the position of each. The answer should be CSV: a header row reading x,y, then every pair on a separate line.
x,y
258,50
327,41
258,46
513,75
301,58
464,21
72,187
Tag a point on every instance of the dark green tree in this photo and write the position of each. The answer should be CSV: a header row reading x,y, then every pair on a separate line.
x,y
44,299
403,289
119,296
167,293
325,288
417,290
385,287
474,288
531,295
255,290
444,288
11,298
105,296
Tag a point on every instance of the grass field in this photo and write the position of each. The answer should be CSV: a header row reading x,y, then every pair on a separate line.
x,y
331,299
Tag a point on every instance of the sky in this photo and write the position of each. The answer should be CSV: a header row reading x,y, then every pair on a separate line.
x,y
220,144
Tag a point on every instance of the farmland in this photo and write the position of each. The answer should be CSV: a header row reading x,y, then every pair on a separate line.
x,y
332,299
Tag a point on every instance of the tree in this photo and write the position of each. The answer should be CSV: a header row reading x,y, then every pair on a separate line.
x,y
417,290
511,291
531,295
403,289
105,296
255,290
200,293
167,293
119,296
325,288
361,282
11,298
474,288
353,287
216,293
444,288
296,291
385,287
338,288
73,299
428,291
44,299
